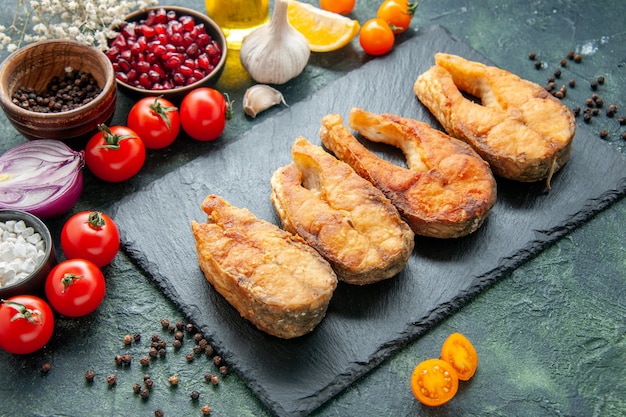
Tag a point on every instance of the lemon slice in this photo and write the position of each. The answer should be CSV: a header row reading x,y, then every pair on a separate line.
x,y
325,31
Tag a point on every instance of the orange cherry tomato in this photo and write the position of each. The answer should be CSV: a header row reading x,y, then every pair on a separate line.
x,y
398,13
459,352
376,37
343,7
434,382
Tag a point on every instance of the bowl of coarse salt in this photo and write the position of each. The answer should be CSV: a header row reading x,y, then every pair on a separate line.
x,y
26,254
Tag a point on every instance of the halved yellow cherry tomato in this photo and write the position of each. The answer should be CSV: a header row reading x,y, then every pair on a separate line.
x,y
434,382
459,352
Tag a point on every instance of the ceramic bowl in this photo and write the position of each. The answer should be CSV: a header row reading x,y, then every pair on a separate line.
x,y
34,66
34,283
212,29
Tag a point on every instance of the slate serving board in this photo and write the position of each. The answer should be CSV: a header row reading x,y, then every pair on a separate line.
x,y
364,325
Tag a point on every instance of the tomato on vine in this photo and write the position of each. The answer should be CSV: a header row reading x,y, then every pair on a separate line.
x,y
90,235
26,324
376,37
75,287
343,7
156,120
115,153
204,112
397,13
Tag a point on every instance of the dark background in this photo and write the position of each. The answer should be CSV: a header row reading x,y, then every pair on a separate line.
x,y
550,335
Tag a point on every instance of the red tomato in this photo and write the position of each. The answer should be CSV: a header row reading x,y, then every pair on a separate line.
x,y
376,37
75,287
26,324
156,121
115,154
90,235
343,7
204,112
398,13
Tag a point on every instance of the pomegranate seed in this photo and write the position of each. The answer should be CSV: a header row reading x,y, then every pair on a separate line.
x,y
185,71
160,16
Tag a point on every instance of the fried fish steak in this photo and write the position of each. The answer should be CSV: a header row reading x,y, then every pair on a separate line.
x,y
274,279
342,215
447,190
518,127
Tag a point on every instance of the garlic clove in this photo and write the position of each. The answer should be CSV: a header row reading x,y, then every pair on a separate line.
x,y
276,52
261,97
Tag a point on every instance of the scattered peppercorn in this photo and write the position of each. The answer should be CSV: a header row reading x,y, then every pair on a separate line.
x,y
149,383
557,73
206,410
190,328
208,350
563,63
587,117
45,368
217,360
576,111
126,359
158,413
610,112
146,377
173,380
203,343
145,393
601,80
177,344
194,395
595,112
624,135
538,64
179,335
153,352
572,83
111,380
578,58
137,337
622,120
559,94
594,85
590,102
144,361
180,325
604,133
171,328
162,352
189,357
136,388
224,370
198,337
165,323
532,55
570,55
551,79
90,375
128,339
197,349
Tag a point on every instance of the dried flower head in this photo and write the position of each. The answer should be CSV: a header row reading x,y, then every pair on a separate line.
x,y
86,21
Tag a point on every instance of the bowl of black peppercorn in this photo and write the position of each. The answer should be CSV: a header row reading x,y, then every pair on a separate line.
x,y
58,89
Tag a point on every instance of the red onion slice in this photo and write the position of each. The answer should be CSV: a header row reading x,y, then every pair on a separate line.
x,y
43,177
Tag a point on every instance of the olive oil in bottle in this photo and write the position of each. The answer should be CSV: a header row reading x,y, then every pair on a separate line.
x,y
238,18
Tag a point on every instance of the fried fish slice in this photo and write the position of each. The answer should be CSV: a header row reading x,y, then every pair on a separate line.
x,y
447,190
519,128
343,216
274,279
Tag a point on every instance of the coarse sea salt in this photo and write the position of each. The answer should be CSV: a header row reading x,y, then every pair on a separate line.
x,y
21,250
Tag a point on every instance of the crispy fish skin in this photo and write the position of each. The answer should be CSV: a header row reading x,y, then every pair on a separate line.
x,y
343,216
274,279
523,131
447,190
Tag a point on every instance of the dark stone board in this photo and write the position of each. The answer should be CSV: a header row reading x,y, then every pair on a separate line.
x,y
363,325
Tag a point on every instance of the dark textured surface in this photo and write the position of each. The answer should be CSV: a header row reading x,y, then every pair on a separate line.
x,y
550,334
440,277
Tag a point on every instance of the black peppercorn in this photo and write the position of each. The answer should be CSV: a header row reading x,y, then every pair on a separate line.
x,y
111,380
158,413
136,388
179,335
180,325
137,337
149,383
45,368
173,380
610,112
563,63
622,120
190,328
532,55
557,73
145,393
217,360
570,55
144,361
572,83
224,370
587,117
578,58
194,395
189,357
624,135
177,344
538,64
604,133
206,410
576,111
601,80
165,323
90,375
594,85
128,339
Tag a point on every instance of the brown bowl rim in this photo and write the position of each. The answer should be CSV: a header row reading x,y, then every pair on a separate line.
x,y
23,113
136,15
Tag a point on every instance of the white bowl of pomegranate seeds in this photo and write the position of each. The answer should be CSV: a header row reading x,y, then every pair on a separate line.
x,y
26,254
167,50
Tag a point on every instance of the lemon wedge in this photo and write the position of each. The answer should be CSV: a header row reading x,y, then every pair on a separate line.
x,y
325,31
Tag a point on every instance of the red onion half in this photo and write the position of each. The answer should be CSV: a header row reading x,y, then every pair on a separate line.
x,y
43,177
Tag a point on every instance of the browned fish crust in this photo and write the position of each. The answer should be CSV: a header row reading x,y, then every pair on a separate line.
x,y
343,216
447,190
518,127
274,279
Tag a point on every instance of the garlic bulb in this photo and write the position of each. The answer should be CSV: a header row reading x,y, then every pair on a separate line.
x,y
276,52
261,97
